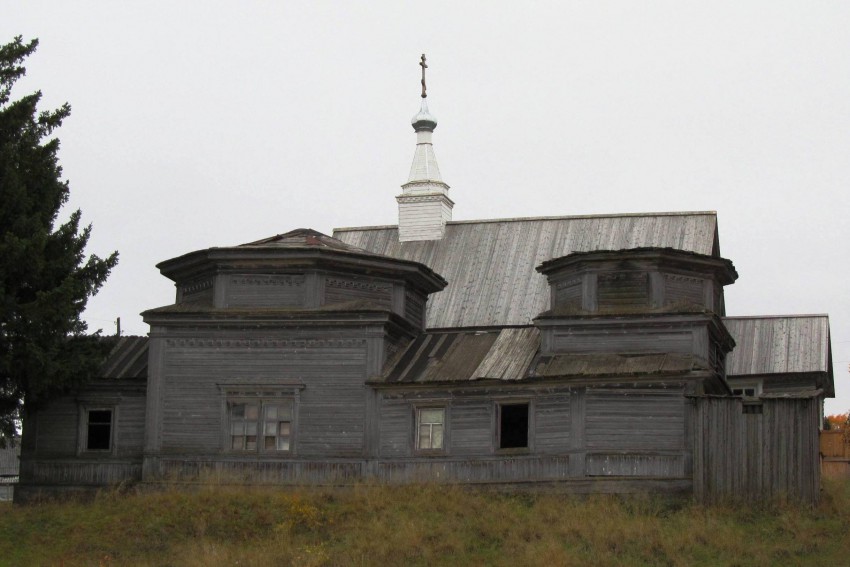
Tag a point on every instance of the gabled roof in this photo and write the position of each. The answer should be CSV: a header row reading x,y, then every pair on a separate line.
x,y
490,264
779,345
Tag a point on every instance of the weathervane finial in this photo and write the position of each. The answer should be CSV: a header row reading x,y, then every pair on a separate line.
x,y
424,66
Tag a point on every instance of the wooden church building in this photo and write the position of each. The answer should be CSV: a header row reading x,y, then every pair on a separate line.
x,y
590,353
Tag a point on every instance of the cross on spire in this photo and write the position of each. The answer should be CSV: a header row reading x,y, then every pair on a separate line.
x,y
424,66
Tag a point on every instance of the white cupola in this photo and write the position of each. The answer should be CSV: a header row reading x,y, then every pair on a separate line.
x,y
424,206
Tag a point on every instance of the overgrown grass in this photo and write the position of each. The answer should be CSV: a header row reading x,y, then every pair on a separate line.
x,y
418,525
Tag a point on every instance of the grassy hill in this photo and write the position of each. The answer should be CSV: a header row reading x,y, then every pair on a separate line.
x,y
418,525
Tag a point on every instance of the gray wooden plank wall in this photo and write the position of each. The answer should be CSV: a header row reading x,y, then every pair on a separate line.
x,y
752,456
330,409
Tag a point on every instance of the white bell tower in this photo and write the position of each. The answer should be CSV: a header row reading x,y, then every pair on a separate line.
x,y
424,206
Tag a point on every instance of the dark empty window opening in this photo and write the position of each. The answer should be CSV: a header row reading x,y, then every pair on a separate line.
x,y
99,430
752,408
746,392
513,426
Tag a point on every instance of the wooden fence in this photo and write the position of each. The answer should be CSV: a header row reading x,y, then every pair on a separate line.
x,y
835,454
762,450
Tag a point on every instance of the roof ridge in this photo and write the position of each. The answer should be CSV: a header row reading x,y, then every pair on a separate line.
x,y
789,316
562,217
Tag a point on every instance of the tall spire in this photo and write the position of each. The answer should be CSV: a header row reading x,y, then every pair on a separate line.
x,y
424,206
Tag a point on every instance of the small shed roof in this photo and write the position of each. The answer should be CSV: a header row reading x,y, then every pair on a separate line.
x,y
465,355
127,359
490,264
779,345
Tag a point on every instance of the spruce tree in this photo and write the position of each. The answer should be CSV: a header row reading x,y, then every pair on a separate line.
x,y
45,277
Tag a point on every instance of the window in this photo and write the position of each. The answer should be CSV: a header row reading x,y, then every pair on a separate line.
x,y
98,430
746,389
430,429
746,392
261,425
513,426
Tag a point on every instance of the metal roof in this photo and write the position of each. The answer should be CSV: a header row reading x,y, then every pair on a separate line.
x,y
490,264
778,345
502,354
127,359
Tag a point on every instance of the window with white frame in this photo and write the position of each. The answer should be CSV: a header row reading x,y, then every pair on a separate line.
x,y
430,429
260,425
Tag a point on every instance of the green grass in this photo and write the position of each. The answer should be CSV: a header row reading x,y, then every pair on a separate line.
x,y
418,525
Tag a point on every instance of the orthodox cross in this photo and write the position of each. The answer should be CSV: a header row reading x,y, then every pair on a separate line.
x,y
424,66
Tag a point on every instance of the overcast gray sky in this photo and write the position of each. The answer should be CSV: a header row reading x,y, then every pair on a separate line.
x,y
199,124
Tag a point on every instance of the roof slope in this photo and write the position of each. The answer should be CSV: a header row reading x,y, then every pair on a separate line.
x,y
490,264
127,359
778,345
503,354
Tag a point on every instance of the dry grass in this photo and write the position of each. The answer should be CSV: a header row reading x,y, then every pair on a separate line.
x,y
417,525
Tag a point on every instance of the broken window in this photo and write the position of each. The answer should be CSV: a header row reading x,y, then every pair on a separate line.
x,y
98,430
263,426
513,426
430,428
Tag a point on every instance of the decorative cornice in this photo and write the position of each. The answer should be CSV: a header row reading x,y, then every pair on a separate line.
x,y
196,287
264,343
360,285
277,281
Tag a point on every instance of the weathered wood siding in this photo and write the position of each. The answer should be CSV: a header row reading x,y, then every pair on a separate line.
x,y
633,432
630,340
552,424
329,374
756,456
79,472
56,455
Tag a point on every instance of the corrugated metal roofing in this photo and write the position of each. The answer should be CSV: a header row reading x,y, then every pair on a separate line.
x,y
462,356
778,345
490,265
127,359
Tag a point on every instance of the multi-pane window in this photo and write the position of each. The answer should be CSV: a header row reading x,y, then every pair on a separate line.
x,y
264,426
430,427
98,430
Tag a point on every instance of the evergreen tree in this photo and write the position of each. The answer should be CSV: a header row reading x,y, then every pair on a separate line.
x,y
45,278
